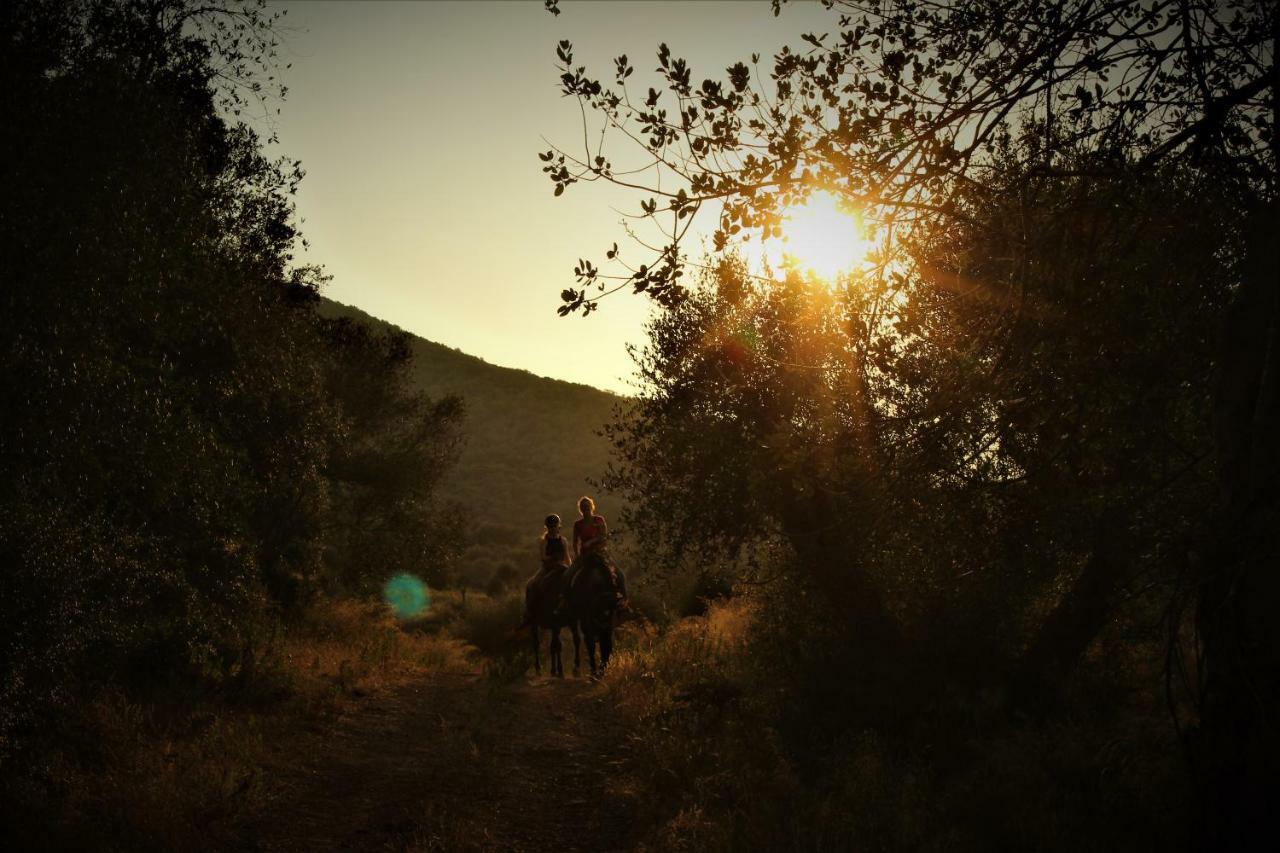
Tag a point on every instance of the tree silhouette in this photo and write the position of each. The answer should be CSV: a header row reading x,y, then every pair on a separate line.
x,y
186,445
1062,369
901,108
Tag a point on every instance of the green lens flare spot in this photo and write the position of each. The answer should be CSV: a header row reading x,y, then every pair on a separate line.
x,y
407,595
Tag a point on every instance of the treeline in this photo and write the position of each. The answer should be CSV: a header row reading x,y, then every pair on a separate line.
x,y
189,451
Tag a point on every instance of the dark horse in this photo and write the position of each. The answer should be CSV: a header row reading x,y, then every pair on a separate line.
x,y
593,601
543,600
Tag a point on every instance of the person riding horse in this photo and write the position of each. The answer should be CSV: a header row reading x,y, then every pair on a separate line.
x,y
553,553
590,549
585,598
544,598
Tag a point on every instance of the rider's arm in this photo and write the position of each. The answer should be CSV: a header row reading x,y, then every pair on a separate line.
x,y
577,537
602,530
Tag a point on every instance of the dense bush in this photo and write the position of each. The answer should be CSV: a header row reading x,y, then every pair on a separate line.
x,y
741,710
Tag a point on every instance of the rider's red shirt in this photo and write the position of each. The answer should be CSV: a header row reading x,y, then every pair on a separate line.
x,y
588,530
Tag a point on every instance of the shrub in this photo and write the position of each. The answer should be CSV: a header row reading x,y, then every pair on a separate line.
x,y
504,578
489,624
750,739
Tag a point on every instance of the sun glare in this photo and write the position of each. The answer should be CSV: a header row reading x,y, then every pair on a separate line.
x,y
823,239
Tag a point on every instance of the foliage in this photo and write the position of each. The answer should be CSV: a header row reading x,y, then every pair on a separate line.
x,y
718,701
186,445
488,624
900,110
921,481
397,447
1042,407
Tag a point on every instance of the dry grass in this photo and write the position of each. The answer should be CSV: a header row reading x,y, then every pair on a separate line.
x,y
695,654
347,648
488,625
438,832
138,782
184,772
715,772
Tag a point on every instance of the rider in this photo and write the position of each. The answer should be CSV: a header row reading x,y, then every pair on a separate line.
x,y
552,549
590,537
553,554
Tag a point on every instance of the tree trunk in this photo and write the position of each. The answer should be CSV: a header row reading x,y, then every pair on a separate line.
x,y
1077,619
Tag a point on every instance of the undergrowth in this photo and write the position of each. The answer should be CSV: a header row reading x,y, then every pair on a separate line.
x,y
735,761
181,768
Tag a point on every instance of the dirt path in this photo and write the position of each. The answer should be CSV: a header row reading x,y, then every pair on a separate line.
x,y
453,762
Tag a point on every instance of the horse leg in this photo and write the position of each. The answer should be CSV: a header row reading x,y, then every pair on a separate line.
x,y
557,665
559,653
590,637
606,646
537,655
577,648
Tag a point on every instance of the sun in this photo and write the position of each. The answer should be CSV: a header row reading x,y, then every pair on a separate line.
x,y
821,238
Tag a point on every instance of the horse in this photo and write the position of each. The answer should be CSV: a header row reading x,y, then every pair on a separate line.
x,y
543,598
593,602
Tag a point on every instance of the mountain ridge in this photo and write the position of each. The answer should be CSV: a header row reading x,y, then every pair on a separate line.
x,y
531,445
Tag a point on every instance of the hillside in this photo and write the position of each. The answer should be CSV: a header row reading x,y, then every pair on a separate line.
x,y
531,443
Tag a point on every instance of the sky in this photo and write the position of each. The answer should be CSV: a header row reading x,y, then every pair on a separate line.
x,y
419,126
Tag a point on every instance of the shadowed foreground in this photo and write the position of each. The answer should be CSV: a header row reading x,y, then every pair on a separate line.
x,y
452,762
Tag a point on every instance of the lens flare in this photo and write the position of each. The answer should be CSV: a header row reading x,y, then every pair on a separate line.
x,y
406,595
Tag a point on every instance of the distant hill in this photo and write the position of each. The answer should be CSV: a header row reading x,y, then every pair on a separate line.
x,y
530,444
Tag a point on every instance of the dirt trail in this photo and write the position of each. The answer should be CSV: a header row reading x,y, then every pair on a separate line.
x,y
453,762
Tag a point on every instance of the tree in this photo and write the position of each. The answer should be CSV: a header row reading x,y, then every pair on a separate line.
x,y
982,139
396,446
185,441
902,108
139,231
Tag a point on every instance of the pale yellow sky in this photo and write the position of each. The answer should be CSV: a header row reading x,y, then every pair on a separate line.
x,y
419,126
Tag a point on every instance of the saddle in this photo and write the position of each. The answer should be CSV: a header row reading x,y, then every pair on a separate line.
x,y
598,565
